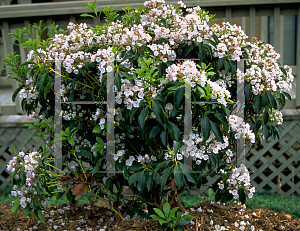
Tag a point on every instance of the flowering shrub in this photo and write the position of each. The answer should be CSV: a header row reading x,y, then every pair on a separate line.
x,y
156,50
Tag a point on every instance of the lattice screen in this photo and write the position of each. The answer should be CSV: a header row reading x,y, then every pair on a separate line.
x,y
278,157
274,158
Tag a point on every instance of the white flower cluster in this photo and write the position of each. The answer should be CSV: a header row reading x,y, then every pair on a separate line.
x,y
231,39
264,72
131,95
239,177
30,163
187,71
29,94
163,52
276,116
241,128
198,150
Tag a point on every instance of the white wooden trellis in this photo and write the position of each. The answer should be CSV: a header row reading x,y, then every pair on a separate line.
x,y
110,102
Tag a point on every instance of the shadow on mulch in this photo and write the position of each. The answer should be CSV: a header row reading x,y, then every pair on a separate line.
x,y
96,217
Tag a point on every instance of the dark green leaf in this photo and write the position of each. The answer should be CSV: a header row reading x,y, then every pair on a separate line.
x,y
142,117
118,81
272,100
287,95
266,116
189,49
141,181
205,127
242,195
158,111
164,137
214,159
149,182
175,131
221,62
227,66
133,178
178,97
217,131
257,105
84,152
178,175
164,176
248,91
154,131
266,131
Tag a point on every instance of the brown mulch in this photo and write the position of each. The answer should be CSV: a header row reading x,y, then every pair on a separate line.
x,y
84,216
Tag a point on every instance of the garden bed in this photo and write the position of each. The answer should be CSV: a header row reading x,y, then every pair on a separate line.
x,y
97,217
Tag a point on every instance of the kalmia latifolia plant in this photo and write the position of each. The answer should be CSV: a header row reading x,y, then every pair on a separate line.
x,y
155,50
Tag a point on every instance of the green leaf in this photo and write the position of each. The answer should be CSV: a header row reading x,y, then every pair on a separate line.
x,y
272,100
264,99
175,131
221,62
87,15
164,137
242,195
158,111
227,66
257,105
266,116
84,152
109,184
214,158
27,210
142,117
287,95
118,80
15,93
176,147
164,176
133,178
266,131
248,91
159,212
154,131
189,174
14,173
217,131
141,181
39,215
149,182
160,220
173,211
178,175
135,167
205,127
283,70
100,141
16,205
183,222
178,96
189,49
166,209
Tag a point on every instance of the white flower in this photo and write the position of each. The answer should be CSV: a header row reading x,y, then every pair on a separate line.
x,y
169,106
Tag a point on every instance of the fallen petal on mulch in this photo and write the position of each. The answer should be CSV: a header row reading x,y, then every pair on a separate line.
x,y
90,217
